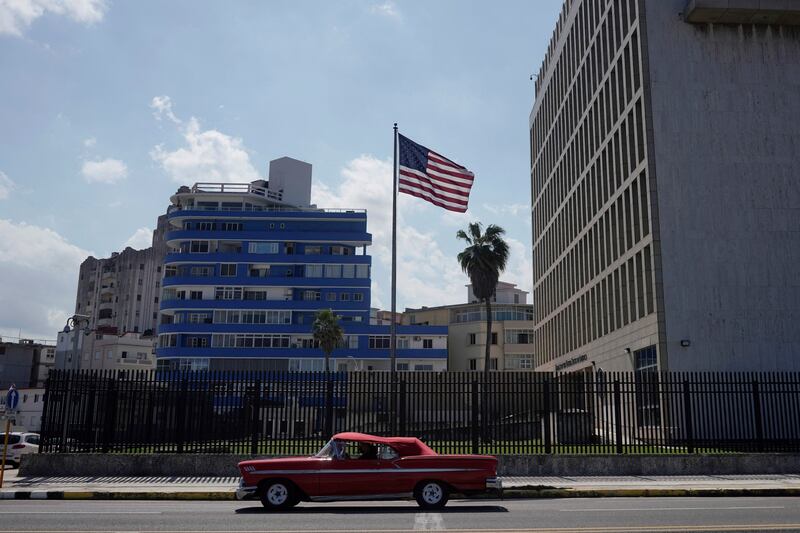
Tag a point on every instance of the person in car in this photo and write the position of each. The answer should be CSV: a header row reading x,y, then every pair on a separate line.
x,y
368,451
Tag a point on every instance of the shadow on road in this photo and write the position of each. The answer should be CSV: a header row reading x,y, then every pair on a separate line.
x,y
355,509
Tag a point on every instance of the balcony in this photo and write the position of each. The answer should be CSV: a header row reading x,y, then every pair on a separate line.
x,y
355,238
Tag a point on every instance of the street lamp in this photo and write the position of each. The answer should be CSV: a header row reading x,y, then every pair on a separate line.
x,y
75,321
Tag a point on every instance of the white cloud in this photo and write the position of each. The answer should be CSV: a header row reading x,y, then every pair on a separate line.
x,y
209,155
104,171
517,210
426,275
90,142
6,185
141,238
39,269
387,9
16,16
162,107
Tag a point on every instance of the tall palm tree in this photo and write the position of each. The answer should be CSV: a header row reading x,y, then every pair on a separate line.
x,y
327,332
483,260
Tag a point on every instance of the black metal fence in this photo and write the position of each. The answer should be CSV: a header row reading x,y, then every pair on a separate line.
x,y
281,413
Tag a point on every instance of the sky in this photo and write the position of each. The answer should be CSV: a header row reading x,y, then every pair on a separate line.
x,y
107,107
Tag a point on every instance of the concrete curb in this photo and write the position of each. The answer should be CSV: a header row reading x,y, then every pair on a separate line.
x,y
508,494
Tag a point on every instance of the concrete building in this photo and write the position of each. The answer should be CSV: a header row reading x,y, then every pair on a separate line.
x,y
25,363
105,349
665,190
248,267
512,330
122,291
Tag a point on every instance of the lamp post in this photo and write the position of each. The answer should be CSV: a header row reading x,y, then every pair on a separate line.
x,y
75,322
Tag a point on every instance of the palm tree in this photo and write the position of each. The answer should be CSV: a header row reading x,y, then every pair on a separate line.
x,y
327,332
483,260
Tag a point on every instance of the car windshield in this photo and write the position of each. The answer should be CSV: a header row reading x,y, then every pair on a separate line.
x,y
12,439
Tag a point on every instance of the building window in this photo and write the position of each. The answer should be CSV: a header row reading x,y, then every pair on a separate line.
x,y
259,270
494,337
378,342
423,368
358,297
362,271
345,297
124,355
313,271
263,248
197,342
492,364
228,293
348,271
427,343
231,226
648,406
310,296
402,367
196,295
138,297
471,339
313,250
403,343
333,271
198,247
227,269
331,296
519,336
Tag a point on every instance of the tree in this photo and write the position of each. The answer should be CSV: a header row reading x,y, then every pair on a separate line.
x,y
327,332
483,260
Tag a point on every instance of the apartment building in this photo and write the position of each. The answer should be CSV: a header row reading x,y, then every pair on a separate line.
x,y
122,291
248,267
512,330
664,187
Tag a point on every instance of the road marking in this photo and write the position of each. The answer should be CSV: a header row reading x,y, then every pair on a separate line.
x,y
81,512
428,522
607,510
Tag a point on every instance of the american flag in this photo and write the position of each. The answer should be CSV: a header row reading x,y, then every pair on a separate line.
x,y
432,177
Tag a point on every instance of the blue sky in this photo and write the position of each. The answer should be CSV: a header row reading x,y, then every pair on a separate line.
x,y
107,107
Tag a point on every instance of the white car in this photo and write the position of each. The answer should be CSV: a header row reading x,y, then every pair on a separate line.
x,y
19,444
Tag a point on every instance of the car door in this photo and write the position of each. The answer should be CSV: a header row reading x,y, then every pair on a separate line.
x,y
349,476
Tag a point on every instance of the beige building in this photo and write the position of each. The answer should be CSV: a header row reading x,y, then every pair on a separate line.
x,y
664,190
104,349
122,291
512,330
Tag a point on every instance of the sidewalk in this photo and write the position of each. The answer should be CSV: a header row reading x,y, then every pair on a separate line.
x,y
222,488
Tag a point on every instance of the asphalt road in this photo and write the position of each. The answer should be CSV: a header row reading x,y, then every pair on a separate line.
x,y
584,515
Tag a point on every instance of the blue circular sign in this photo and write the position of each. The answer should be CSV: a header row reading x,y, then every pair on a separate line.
x,y
12,399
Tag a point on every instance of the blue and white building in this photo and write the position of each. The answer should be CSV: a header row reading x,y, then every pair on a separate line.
x,y
250,264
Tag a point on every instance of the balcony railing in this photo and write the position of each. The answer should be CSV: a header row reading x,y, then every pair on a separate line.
x,y
262,208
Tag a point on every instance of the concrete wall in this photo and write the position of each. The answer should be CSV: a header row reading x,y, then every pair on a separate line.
x,y
509,465
725,102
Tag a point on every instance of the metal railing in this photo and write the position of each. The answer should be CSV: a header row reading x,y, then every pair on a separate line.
x,y
283,413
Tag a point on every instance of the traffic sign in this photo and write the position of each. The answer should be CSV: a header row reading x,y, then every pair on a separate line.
x,y
12,399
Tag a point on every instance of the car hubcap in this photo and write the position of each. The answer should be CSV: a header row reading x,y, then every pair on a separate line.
x,y
277,494
432,493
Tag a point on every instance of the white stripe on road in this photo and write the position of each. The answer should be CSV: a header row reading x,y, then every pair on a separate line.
x,y
670,509
80,512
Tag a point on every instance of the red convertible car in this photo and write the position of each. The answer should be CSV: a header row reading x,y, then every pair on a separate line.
x,y
355,466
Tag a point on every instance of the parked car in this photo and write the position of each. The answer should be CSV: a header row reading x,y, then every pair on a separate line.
x,y
19,444
355,466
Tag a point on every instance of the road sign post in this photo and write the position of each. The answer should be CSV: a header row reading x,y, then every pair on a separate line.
x,y
12,400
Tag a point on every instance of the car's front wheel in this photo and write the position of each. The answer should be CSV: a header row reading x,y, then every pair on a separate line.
x,y
431,495
278,495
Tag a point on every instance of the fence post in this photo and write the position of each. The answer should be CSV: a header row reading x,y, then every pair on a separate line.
x,y
255,418
548,437
328,406
67,399
618,415
180,412
759,423
474,427
44,432
111,416
402,410
687,416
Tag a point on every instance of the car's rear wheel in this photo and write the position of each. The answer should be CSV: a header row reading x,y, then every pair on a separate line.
x,y
278,495
431,494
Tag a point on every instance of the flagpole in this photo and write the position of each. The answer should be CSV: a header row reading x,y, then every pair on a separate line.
x,y
393,323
